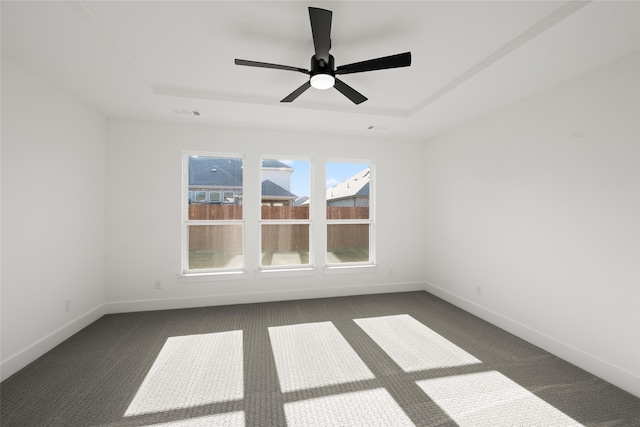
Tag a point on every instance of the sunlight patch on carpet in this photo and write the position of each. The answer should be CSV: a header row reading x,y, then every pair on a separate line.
x,y
190,371
229,419
412,345
490,399
313,355
362,408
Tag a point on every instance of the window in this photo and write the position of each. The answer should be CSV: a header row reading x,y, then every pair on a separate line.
x,y
214,197
213,232
283,235
349,199
229,197
200,196
285,225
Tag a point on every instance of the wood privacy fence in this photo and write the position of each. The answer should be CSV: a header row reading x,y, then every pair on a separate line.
x,y
223,212
226,238
276,237
214,212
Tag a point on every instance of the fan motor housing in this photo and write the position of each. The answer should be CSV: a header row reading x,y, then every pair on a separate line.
x,y
319,66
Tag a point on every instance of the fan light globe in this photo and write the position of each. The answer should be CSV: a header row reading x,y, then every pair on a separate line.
x,y
322,81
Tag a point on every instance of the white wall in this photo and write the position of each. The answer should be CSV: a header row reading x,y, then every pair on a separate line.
x,y
538,205
144,215
53,199
280,177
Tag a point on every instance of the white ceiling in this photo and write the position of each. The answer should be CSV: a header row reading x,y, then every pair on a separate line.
x,y
146,59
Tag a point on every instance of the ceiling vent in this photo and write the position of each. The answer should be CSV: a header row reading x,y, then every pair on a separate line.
x,y
187,112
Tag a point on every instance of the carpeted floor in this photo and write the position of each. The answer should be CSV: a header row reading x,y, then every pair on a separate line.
x,y
389,359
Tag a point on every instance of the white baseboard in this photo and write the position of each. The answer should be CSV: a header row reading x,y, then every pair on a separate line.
x,y
255,297
622,378
21,359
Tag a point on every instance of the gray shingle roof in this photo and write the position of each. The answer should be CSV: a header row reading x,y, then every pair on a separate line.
x,y
271,189
215,171
364,191
223,171
301,200
273,163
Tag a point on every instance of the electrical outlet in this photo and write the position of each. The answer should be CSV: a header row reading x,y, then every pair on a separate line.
x,y
158,285
479,291
67,305
391,272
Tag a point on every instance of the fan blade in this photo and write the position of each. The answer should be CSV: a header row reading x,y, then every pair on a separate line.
x,y
321,31
393,61
355,96
267,65
296,93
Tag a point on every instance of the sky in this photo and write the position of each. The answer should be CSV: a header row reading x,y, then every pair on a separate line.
x,y
336,173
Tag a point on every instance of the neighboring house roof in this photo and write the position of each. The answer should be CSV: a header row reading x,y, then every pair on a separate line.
x,y
215,171
271,189
223,172
356,186
273,163
300,201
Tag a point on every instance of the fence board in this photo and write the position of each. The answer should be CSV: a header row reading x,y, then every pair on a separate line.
x,y
285,238
199,211
225,212
224,237
279,237
285,212
347,236
347,212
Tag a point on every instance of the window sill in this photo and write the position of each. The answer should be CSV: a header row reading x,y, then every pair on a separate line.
x,y
275,273
211,276
350,269
286,272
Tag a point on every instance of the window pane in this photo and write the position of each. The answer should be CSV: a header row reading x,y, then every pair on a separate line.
x,y
347,243
348,190
285,244
229,197
285,189
215,246
219,178
214,196
201,196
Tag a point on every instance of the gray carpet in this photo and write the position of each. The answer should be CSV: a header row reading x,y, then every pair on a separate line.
x,y
389,359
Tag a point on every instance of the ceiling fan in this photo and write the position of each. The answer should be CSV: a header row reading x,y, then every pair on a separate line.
x,y
322,73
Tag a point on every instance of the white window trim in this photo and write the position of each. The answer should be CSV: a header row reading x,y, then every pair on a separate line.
x,y
288,271
190,275
350,268
293,269
355,267
212,276
317,232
